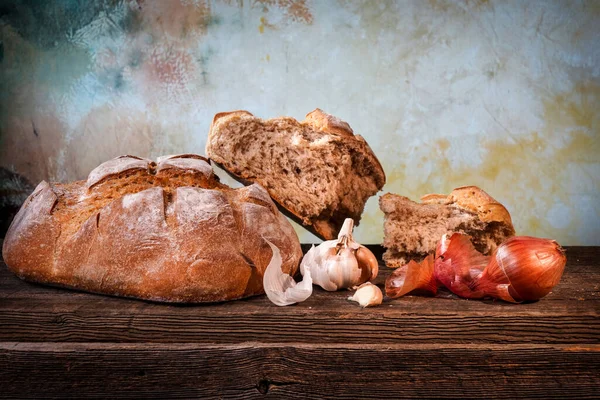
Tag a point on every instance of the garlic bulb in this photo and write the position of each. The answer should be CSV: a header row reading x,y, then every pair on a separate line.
x,y
333,265
341,263
367,295
281,288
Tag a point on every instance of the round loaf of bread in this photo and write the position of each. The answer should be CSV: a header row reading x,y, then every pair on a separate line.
x,y
166,231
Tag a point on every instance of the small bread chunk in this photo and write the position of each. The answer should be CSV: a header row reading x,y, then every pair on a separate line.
x,y
412,230
317,169
167,231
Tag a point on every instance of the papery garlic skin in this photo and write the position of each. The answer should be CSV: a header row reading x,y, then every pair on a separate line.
x,y
442,245
368,264
341,263
339,270
280,287
367,295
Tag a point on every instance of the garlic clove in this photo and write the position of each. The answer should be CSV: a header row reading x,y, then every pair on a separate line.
x,y
343,269
346,229
280,287
327,274
367,295
410,277
368,264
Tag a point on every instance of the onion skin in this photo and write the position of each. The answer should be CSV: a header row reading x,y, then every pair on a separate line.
x,y
412,276
522,268
458,265
532,266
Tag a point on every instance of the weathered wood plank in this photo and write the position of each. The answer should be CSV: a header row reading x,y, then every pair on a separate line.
x,y
62,343
131,325
30,312
299,371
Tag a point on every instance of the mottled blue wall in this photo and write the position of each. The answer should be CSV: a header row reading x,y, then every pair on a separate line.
x,y
503,95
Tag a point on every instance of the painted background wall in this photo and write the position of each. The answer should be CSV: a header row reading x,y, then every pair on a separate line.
x,y
500,94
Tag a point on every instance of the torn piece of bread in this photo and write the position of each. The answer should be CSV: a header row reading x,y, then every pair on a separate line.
x,y
412,230
317,169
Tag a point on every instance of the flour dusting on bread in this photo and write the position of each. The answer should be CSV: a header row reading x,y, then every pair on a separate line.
x,y
166,231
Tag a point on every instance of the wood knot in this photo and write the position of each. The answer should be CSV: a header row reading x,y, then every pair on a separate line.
x,y
263,386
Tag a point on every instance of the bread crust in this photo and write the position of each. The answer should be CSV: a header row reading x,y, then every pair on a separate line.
x,y
324,122
328,123
473,199
412,229
165,242
327,126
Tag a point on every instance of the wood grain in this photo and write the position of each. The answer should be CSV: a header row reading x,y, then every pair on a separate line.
x,y
253,370
569,315
63,343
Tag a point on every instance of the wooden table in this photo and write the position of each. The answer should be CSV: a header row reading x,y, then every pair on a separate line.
x,y
56,342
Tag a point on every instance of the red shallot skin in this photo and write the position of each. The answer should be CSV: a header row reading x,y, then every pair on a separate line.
x,y
458,265
410,277
442,245
523,268
532,266
494,283
463,270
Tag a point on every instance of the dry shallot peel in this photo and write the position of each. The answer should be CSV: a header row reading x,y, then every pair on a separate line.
x,y
523,268
458,265
411,277
280,287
